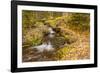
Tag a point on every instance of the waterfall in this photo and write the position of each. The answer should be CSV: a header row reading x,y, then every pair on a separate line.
x,y
46,46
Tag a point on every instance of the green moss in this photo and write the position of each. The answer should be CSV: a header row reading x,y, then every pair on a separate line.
x,y
58,42
61,53
36,41
52,23
33,37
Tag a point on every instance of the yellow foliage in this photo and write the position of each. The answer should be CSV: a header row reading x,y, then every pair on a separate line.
x,y
61,53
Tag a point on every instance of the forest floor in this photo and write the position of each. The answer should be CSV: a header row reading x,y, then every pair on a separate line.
x,y
80,50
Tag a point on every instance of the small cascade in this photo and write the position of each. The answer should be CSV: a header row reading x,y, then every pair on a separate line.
x,y
46,45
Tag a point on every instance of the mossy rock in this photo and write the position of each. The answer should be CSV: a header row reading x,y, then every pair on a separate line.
x,y
69,35
58,42
51,23
61,53
71,39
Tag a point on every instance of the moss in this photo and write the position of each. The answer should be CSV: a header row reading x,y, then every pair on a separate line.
x,y
62,53
33,37
52,23
58,42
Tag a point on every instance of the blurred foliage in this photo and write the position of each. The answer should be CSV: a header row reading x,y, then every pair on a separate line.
x,y
35,25
81,20
33,37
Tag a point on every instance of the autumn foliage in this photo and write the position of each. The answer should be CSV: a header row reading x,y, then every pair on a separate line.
x,y
71,41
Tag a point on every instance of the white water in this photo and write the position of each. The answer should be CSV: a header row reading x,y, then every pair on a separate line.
x,y
46,46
